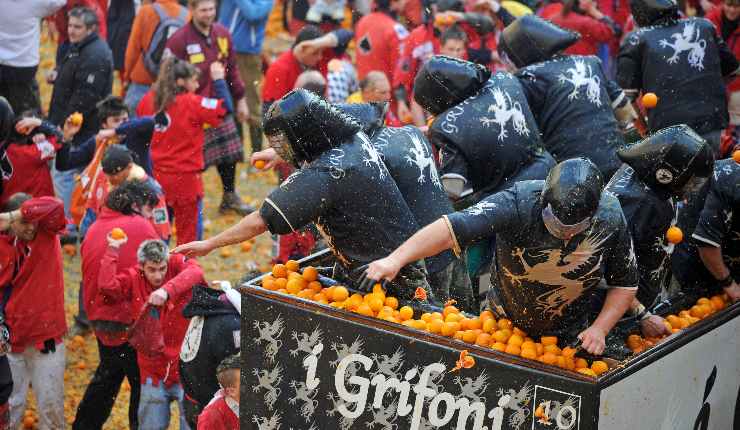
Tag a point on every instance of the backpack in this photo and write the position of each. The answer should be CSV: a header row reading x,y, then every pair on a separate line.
x,y
165,29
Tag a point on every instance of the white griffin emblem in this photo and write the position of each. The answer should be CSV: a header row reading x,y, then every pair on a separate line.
x,y
269,381
269,334
343,351
306,396
552,271
305,342
373,157
480,208
472,387
504,109
264,423
582,75
336,401
384,417
517,402
422,159
690,41
388,365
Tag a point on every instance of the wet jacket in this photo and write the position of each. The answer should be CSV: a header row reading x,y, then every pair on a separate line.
x,y
212,335
573,102
491,140
544,284
649,213
683,63
131,286
85,77
246,20
34,312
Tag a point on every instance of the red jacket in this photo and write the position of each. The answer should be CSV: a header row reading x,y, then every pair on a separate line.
x,y
218,416
30,169
421,45
191,45
138,229
715,15
35,310
131,286
378,42
592,32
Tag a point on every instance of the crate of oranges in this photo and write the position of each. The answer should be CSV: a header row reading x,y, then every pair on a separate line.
x,y
324,355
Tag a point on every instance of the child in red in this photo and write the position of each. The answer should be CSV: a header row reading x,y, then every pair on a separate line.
x,y
177,146
222,413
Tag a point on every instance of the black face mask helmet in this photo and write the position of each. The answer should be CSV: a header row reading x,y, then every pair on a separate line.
x,y
370,116
674,159
648,12
531,39
570,197
444,82
301,126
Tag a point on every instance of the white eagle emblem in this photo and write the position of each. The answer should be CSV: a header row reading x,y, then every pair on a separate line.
x,y
690,41
504,109
421,158
582,75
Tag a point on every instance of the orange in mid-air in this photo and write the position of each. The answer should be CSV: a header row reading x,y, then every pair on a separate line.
x,y
76,119
736,156
117,234
260,164
649,100
420,294
674,235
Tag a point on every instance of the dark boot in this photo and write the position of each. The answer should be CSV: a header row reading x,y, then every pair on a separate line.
x,y
232,202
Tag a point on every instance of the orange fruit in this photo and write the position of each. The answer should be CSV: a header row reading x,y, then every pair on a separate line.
x,y
736,156
475,324
76,119
315,286
503,323
453,317
581,363
549,358
570,363
528,344
426,317
364,309
501,336
279,271
391,302
437,316
458,335
539,348
530,354
281,283
376,304
69,249
469,336
561,362
435,325
450,328
294,286
649,100
246,246
340,294
586,371
378,288
697,311
549,340
486,315
117,234
489,326
599,367
310,274
291,265
259,164
450,310
320,297
483,339
717,303
306,294
552,348
515,340
569,352
674,235
419,324
673,320
28,422
81,365
513,349
225,252
465,323
516,330
499,346
406,313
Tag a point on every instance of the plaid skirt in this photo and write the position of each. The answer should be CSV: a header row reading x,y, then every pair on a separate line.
x,y
223,144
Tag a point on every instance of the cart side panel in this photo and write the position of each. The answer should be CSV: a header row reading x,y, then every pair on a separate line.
x,y
298,358
694,384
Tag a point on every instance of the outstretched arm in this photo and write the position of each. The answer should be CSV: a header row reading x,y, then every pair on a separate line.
x,y
249,227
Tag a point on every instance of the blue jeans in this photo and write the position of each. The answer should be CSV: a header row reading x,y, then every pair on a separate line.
x,y
64,184
134,93
154,406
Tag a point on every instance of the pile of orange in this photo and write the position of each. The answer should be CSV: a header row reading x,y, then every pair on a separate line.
x,y
703,308
483,330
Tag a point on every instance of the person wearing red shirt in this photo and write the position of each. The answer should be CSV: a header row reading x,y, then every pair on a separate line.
x,y
379,37
311,50
222,413
594,27
125,208
34,307
203,42
177,145
7,267
163,281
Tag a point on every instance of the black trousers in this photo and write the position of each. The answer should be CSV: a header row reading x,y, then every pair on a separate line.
x,y
19,86
116,362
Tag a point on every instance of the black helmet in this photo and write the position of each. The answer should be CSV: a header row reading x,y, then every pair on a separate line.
x,y
670,159
7,121
570,197
450,5
531,39
444,82
647,12
307,126
370,116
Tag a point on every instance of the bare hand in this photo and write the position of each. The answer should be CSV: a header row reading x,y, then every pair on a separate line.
x,y
38,138
593,340
269,156
733,292
116,243
242,110
198,248
218,71
654,326
26,125
51,76
158,297
386,268
70,130
4,221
